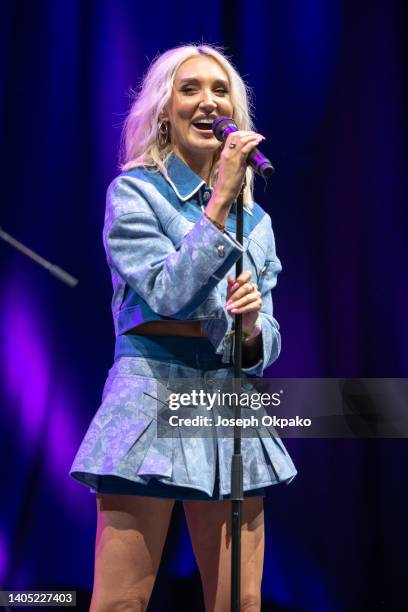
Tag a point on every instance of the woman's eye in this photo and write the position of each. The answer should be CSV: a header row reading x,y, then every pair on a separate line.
x,y
191,90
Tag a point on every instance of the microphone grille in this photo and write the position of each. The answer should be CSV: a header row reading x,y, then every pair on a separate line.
x,y
222,126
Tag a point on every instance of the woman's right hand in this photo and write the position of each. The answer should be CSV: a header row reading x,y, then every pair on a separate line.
x,y
233,164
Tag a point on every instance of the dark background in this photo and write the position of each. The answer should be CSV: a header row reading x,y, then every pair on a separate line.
x,y
330,94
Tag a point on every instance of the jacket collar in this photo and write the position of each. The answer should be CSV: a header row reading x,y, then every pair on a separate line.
x,y
184,181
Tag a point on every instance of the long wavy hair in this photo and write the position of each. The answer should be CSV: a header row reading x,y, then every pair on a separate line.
x,y
141,144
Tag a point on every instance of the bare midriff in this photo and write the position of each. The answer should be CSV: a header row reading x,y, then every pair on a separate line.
x,y
169,328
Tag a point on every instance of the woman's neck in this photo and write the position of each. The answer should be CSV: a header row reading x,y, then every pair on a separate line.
x,y
200,164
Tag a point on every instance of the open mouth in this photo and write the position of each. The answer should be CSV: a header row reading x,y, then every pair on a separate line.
x,y
203,126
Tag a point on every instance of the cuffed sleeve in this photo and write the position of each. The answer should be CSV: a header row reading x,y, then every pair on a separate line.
x,y
173,282
270,345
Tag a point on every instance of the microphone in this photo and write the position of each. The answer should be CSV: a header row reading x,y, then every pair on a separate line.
x,y
222,126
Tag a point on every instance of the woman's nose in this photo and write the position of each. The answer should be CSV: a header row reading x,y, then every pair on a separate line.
x,y
207,100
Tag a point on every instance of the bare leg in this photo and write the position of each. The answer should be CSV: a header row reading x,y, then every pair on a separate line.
x,y
209,523
130,536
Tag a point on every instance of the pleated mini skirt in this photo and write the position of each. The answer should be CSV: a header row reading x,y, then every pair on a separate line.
x,y
125,452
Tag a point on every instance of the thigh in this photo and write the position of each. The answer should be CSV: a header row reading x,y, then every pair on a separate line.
x,y
209,525
130,536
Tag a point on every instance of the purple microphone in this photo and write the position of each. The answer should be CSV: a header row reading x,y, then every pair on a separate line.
x,y
222,126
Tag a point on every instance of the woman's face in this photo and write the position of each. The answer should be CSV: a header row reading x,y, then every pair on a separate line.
x,y
201,92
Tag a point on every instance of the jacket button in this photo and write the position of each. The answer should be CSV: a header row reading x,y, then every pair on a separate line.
x,y
221,250
206,196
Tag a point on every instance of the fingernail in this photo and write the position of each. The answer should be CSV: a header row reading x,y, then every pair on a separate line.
x,y
234,286
234,310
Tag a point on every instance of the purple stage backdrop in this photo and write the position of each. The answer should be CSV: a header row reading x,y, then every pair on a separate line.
x,y
330,88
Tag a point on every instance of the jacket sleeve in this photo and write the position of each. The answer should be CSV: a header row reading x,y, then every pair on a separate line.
x,y
271,338
173,282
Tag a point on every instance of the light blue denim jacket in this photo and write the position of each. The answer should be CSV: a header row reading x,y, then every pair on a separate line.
x,y
168,261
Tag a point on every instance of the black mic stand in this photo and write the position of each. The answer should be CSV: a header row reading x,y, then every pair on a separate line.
x,y
222,127
237,493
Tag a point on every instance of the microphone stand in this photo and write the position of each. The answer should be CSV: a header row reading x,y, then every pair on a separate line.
x,y
237,493
56,271
222,127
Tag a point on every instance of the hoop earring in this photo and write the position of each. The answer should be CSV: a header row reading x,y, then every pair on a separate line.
x,y
163,135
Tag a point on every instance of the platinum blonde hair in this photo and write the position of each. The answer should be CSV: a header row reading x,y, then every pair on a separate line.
x,y
141,145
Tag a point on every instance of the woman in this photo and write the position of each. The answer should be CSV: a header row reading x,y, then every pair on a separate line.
x,y
168,235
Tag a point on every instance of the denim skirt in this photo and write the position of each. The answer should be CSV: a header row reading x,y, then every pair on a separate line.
x,y
122,452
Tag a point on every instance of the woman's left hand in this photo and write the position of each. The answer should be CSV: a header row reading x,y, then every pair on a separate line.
x,y
244,298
